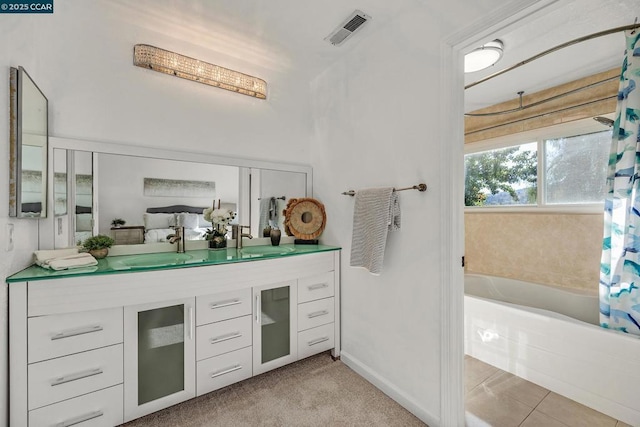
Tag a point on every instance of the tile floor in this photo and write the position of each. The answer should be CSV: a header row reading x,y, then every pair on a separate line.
x,y
500,399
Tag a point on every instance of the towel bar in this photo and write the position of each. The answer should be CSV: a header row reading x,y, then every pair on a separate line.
x,y
419,187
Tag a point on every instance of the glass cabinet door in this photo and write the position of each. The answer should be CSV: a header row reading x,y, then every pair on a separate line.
x,y
275,326
159,356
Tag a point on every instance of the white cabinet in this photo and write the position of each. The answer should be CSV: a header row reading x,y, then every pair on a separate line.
x,y
275,338
311,288
159,356
224,339
220,371
102,408
316,340
62,378
65,367
59,335
315,313
100,350
318,315
223,305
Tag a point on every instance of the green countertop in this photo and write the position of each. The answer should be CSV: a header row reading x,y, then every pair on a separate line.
x,y
170,260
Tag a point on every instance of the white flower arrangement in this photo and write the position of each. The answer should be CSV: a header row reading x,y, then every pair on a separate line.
x,y
220,218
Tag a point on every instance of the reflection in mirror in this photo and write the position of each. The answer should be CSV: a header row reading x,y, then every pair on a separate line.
x,y
154,195
136,183
59,182
271,190
27,147
83,195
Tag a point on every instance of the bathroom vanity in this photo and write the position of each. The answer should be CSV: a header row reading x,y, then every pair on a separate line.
x,y
144,332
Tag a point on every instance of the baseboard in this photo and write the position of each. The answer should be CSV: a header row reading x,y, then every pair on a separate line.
x,y
389,389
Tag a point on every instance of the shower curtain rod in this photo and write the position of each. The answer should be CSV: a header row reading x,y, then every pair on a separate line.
x,y
573,107
542,101
554,49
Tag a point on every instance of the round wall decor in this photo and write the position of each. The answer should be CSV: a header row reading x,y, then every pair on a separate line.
x,y
305,218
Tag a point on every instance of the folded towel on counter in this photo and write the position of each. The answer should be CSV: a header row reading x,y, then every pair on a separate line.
x,y
76,260
376,212
54,253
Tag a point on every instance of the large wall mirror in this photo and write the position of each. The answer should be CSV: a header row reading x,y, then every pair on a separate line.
x,y
152,190
28,139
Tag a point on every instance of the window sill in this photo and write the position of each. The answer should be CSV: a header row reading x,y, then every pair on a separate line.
x,y
592,209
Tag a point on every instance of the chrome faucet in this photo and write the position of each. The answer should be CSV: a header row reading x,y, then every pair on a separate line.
x,y
237,234
178,239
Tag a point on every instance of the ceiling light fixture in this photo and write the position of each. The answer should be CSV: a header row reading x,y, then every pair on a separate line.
x,y
188,68
483,57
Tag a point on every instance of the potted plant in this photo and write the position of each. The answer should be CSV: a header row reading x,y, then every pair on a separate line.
x,y
220,219
98,246
118,222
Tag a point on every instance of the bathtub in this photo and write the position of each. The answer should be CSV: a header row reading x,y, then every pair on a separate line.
x,y
550,336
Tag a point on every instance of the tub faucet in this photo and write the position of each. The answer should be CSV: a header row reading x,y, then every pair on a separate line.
x,y
236,233
178,239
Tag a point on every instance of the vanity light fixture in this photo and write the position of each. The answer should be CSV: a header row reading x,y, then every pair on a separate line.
x,y
174,64
483,57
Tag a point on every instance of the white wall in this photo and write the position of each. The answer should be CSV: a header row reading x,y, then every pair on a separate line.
x,y
81,57
121,192
376,119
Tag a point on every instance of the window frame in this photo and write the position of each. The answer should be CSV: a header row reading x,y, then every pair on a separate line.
x,y
563,130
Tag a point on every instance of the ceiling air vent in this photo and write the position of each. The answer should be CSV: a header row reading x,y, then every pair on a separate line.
x,y
348,27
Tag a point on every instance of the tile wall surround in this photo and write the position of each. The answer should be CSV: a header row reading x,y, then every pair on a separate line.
x,y
552,249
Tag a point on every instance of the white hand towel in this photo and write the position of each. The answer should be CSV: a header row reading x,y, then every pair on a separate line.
x,y
376,212
45,255
73,261
64,259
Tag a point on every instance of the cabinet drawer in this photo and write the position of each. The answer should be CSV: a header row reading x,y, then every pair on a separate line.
x,y
99,409
221,371
315,313
223,306
59,335
315,287
222,337
316,340
70,376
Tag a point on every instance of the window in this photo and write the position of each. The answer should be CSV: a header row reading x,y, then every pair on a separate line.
x,y
548,171
575,168
505,176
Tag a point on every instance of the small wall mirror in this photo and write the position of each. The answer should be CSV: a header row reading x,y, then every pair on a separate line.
x,y
28,145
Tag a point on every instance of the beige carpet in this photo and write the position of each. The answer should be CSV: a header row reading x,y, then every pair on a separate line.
x,y
313,392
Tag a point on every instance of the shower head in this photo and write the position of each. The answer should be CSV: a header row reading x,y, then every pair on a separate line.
x,y
603,120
